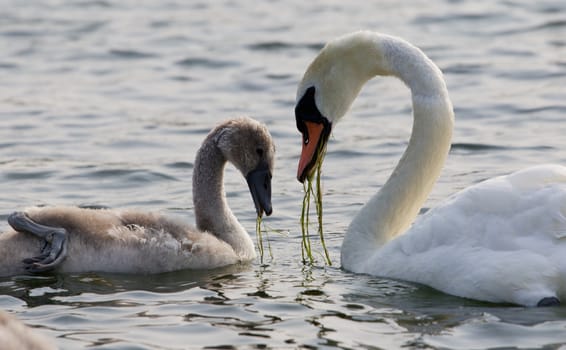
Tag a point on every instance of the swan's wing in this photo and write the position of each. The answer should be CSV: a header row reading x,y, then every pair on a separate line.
x,y
153,249
502,240
523,210
132,241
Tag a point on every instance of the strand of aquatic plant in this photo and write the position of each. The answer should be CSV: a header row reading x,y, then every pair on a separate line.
x,y
317,193
318,201
306,244
259,234
259,238
268,228
268,244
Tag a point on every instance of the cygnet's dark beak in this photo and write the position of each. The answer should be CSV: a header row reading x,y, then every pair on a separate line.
x,y
259,182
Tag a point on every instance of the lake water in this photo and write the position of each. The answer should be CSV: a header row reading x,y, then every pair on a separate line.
x,y
106,102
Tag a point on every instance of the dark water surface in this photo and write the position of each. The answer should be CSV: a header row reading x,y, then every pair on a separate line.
x,y
105,103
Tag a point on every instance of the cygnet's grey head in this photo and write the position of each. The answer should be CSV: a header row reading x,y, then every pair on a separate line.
x,y
248,145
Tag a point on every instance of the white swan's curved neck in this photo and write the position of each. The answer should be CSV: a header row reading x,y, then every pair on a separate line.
x,y
391,210
211,208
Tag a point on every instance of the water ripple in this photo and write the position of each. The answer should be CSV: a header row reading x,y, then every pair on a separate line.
x,y
280,46
180,165
459,18
131,54
481,147
89,28
8,65
461,68
125,175
27,175
196,62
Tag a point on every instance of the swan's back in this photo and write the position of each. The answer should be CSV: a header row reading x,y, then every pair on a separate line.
x,y
502,213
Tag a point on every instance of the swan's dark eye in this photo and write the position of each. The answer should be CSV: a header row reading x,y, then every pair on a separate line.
x,y
259,152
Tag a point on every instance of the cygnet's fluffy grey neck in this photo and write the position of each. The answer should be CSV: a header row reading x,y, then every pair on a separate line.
x,y
211,208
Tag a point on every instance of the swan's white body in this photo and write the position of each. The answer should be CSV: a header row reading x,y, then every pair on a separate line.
x,y
503,240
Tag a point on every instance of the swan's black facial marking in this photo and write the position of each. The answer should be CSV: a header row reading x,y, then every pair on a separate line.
x,y
306,110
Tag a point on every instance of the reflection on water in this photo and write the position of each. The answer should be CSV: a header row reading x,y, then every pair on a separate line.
x,y
106,103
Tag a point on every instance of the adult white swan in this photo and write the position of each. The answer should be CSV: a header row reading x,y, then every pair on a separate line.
x,y
503,240
77,239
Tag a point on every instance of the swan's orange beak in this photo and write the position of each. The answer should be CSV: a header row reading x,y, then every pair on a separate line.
x,y
315,136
